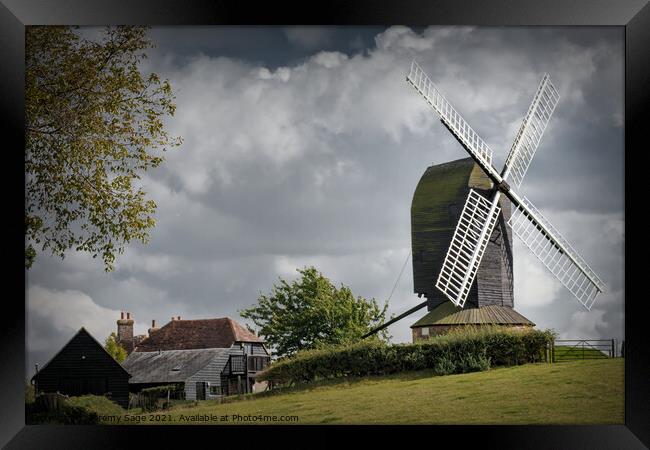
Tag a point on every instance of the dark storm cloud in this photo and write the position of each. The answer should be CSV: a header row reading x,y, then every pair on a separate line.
x,y
262,45
294,155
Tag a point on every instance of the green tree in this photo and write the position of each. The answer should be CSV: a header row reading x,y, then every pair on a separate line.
x,y
114,348
311,312
94,124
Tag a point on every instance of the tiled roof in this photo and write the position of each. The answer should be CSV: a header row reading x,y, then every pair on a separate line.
x,y
170,366
449,314
195,334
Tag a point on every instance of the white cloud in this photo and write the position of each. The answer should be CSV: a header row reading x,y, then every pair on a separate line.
x,y
535,286
65,312
402,38
329,60
585,325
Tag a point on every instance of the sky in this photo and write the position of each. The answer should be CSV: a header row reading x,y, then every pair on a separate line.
x,y
304,145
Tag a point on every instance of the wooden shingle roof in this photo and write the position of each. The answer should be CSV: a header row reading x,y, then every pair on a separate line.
x,y
449,314
196,334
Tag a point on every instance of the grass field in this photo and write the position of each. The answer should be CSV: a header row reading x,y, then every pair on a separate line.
x,y
576,392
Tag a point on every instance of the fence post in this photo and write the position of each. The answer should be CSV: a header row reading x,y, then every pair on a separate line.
x,y
613,349
553,351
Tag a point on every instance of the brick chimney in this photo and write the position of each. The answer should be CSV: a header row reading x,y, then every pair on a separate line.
x,y
153,327
125,331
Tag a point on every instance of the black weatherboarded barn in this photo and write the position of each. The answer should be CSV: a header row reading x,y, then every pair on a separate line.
x,y
82,367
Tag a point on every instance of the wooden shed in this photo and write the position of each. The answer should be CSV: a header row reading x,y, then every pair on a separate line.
x,y
83,367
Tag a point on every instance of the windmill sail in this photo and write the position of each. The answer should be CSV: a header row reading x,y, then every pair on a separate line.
x,y
456,124
531,131
477,220
479,215
550,247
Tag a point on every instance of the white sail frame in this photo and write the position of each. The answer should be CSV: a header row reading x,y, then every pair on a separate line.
x,y
472,233
461,129
555,252
531,131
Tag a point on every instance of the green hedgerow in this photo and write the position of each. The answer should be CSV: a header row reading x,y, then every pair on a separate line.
x,y
462,350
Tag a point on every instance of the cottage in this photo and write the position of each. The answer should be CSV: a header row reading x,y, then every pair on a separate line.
x,y
82,367
207,357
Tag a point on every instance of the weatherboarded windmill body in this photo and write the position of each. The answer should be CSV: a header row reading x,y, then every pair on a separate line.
x,y
463,216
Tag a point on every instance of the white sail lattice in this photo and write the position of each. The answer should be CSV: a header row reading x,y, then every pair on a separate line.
x,y
461,129
531,130
477,220
555,252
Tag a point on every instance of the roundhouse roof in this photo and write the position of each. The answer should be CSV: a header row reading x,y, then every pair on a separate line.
x,y
449,314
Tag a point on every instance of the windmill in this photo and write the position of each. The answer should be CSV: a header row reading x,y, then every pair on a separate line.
x,y
481,213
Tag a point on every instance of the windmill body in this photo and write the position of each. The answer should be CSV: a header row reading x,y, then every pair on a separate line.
x,y
435,210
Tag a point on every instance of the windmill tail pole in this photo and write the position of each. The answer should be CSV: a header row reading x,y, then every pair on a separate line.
x,y
392,321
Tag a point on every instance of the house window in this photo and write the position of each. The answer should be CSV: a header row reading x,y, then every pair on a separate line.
x,y
248,348
257,363
215,389
425,331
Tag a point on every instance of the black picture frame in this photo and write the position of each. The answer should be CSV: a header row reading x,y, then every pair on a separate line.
x,y
634,15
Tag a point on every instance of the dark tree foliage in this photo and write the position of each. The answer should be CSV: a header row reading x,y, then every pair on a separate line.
x,y
94,124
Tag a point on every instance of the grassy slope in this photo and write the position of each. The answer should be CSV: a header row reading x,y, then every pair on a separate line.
x,y
580,392
100,405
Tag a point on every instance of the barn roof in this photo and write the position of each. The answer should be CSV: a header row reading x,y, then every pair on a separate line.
x,y
195,334
449,314
80,342
171,366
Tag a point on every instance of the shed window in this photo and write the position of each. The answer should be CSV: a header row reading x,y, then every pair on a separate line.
x,y
215,389
425,331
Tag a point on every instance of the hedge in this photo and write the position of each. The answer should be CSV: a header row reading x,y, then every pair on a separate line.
x,y
54,409
462,350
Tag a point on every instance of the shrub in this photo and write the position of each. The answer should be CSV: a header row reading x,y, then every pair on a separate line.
x,y
100,404
39,413
444,366
30,394
460,351
153,398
